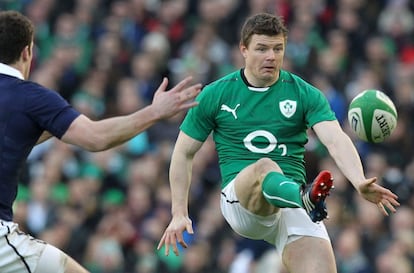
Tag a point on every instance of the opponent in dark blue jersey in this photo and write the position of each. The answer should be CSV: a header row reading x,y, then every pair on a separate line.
x,y
30,114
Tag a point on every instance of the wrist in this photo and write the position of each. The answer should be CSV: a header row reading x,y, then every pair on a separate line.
x,y
153,113
179,212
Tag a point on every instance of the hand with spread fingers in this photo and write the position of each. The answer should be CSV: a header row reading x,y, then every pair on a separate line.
x,y
180,97
174,234
384,198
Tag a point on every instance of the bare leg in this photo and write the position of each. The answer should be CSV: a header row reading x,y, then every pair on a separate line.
x,y
74,267
307,254
54,260
310,255
248,186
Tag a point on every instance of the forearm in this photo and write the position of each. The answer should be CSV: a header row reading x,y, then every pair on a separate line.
x,y
347,159
180,180
104,134
117,130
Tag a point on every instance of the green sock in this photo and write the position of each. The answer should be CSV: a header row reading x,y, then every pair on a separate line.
x,y
281,191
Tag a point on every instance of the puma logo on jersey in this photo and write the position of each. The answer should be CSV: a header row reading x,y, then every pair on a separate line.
x,y
228,109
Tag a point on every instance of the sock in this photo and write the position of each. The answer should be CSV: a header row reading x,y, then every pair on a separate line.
x,y
281,191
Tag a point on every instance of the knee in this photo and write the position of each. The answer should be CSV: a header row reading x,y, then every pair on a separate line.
x,y
266,165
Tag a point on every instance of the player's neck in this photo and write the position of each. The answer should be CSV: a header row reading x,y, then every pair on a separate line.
x,y
22,67
251,81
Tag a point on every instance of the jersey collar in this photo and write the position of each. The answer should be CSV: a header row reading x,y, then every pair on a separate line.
x,y
251,87
10,71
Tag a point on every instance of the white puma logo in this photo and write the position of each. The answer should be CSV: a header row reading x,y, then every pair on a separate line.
x,y
228,109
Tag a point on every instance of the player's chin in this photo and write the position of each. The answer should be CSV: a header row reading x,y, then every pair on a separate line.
x,y
269,76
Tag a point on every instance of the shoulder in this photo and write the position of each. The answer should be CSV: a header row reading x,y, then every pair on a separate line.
x,y
26,92
37,90
36,97
290,77
233,78
222,86
300,83
30,89
19,85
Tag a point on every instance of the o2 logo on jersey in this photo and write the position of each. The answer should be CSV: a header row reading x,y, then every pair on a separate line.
x,y
264,150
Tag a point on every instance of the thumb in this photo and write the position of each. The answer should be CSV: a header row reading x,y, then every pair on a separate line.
x,y
162,86
189,229
372,180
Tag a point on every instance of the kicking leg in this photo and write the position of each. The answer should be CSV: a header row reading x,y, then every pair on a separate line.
x,y
262,188
258,188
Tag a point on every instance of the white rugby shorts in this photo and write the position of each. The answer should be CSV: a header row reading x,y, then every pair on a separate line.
x,y
21,253
279,229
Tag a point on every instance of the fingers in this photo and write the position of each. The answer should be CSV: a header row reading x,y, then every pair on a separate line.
x,y
186,93
181,241
385,199
170,239
393,196
186,97
179,87
190,92
162,86
167,241
161,242
386,207
188,105
382,209
388,203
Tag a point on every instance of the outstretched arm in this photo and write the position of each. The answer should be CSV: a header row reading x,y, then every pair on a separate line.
x,y
180,180
347,159
107,133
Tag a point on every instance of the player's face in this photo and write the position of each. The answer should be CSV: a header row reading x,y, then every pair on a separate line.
x,y
263,59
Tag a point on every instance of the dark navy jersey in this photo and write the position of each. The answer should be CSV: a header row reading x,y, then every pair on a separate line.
x,y
26,110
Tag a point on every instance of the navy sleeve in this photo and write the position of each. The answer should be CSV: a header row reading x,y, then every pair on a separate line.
x,y
49,110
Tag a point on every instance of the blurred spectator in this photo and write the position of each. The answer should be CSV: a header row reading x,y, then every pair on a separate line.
x,y
396,20
108,209
144,70
350,257
201,56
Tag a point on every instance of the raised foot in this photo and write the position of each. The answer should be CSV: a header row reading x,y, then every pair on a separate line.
x,y
314,194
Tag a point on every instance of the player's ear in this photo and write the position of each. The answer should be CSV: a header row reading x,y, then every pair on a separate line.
x,y
243,49
27,52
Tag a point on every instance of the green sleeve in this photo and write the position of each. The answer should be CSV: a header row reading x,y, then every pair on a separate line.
x,y
200,120
318,108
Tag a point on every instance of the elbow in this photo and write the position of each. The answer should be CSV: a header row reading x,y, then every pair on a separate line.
x,y
95,148
87,135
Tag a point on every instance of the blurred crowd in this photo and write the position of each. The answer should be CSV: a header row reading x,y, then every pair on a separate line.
x,y
107,57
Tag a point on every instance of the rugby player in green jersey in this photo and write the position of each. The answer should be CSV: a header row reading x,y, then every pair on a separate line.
x,y
259,116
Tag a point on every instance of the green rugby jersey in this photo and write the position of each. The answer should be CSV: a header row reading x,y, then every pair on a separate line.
x,y
250,123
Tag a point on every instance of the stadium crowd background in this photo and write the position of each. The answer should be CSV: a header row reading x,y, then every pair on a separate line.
x,y
109,209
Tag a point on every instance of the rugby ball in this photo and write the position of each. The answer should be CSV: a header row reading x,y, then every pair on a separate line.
x,y
372,116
